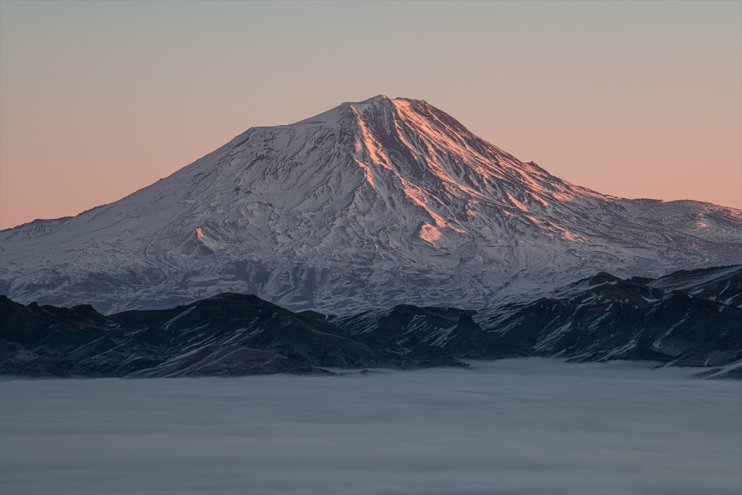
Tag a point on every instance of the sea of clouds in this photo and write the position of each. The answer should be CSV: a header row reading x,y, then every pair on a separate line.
x,y
515,427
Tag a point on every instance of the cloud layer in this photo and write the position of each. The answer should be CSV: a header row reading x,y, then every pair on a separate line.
x,y
529,426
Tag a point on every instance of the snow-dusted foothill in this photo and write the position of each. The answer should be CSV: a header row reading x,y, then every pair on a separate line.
x,y
600,318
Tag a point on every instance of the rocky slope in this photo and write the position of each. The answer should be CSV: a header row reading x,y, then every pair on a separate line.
x,y
599,318
368,205
228,334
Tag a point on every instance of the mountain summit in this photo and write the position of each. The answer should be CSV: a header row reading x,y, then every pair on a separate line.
x,y
369,204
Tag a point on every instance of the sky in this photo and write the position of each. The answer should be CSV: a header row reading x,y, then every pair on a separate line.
x,y
634,99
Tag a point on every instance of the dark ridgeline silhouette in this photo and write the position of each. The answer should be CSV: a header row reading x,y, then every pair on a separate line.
x,y
688,318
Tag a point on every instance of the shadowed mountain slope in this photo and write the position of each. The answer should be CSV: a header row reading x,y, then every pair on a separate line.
x,y
599,318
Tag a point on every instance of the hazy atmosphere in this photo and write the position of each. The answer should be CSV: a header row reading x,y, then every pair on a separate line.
x,y
637,99
528,426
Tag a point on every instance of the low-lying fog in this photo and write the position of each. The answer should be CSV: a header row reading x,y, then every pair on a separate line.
x,y
527,426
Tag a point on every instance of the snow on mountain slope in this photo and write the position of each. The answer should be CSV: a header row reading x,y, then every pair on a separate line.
x,y
723,285
370,204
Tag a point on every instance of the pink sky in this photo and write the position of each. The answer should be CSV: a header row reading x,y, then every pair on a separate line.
x,y
636,99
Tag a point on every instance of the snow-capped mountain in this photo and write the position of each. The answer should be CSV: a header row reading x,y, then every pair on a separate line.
x,y
367,205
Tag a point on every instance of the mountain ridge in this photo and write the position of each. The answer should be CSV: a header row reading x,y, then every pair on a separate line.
x,y
601,318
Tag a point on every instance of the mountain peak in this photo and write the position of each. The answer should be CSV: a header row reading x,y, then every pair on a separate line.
x,y
336,114
382,99
409,146
378,102
373,99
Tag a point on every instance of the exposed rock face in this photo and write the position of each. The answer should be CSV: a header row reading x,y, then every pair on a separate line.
x,y
229,334
15,360
596,319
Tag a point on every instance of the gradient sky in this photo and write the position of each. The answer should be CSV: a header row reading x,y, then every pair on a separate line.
x,y
636,99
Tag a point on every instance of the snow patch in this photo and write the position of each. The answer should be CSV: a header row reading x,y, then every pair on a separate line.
x,y
429,233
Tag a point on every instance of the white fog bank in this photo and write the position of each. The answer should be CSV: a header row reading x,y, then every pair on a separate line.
x,y
515,427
